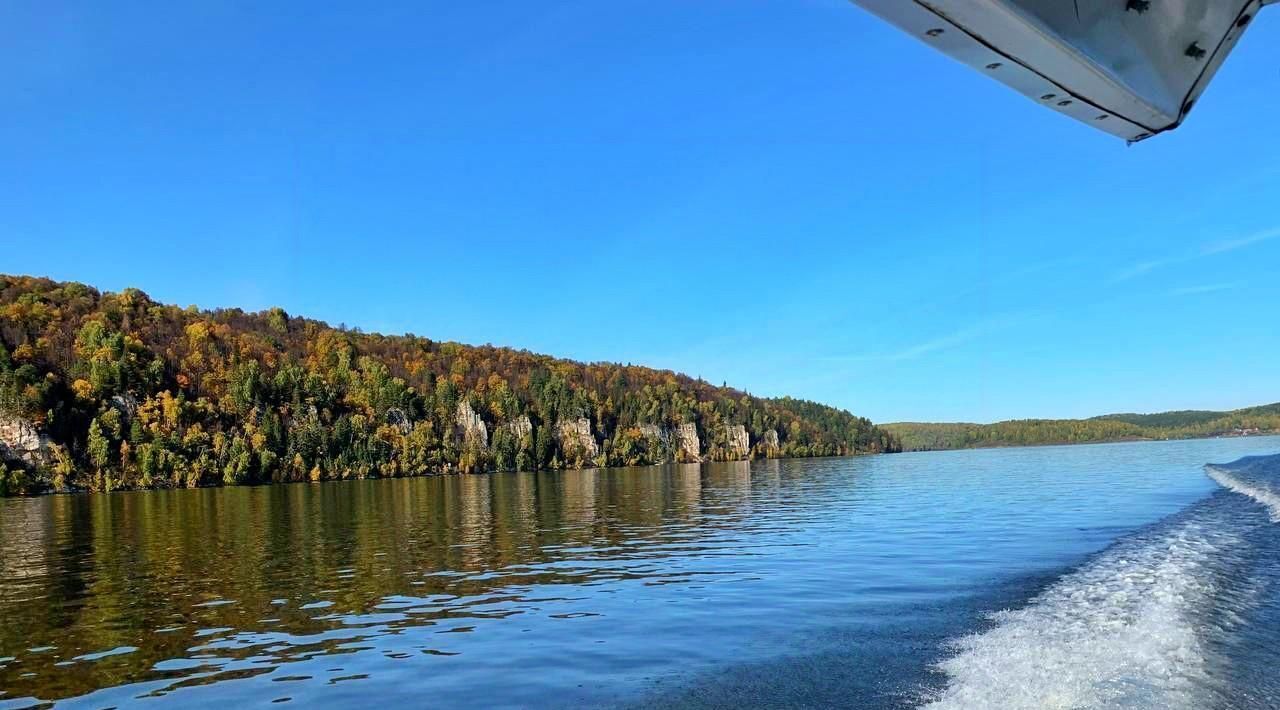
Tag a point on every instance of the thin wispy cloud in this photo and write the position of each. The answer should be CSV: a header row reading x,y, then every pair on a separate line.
x,y
946,342
1233,244
928,347
1142,268
1207,288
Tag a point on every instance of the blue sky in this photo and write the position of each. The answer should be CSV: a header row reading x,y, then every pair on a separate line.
x,y
786,195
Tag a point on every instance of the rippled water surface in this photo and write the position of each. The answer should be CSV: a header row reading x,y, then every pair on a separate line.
x,y
1131,577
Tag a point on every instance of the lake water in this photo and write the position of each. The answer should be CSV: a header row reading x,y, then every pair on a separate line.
x,y
1115,575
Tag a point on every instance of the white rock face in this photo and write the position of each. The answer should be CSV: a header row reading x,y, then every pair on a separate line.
x,y
20,440
687,447
770,444
737,441
474,431
520,427
575,436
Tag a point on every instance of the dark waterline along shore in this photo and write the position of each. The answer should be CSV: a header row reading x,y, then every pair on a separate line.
x,y
682,585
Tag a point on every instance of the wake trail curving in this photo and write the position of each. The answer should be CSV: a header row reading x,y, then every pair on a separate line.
x,y
1133,627
1119,632
1252,476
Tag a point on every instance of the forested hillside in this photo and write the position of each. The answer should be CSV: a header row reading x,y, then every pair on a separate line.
x,y
1110,427
112,390
1193,422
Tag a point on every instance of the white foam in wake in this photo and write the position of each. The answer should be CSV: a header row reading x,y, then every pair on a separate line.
x,y
1252,476
1119,632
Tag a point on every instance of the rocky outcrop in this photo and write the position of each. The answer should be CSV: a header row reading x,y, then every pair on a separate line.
x,y
770,448
398,419
519,428
685,444
22,442
654,432
576,439
474,431
737,442
126,404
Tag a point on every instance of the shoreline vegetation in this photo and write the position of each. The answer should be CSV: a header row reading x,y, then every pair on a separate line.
x,y
103,391
1108,428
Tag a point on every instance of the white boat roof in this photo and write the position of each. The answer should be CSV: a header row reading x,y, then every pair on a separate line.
x,y
1131,68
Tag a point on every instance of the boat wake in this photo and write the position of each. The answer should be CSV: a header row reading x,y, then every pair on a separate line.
x,y
1252,476
1142,624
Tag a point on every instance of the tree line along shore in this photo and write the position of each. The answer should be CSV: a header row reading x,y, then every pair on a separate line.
x,y
102,391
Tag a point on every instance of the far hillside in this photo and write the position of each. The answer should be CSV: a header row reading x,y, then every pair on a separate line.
x,y
101,391
1184,424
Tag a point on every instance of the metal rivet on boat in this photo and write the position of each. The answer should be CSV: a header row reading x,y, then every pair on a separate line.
x,y
1195,51
994,65
1065,103
1244,20
935,32
1101,117
1048,97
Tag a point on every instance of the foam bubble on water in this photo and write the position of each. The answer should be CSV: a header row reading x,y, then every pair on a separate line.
x,y
1251,476
1119,632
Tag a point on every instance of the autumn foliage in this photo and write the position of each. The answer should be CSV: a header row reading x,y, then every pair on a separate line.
x,y
138,394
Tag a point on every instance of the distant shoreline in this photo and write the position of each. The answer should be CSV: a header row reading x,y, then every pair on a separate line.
x,y
1128,440
1108,428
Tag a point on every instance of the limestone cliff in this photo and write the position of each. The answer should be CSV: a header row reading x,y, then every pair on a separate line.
x,y
474,431
576,439
688,449
737,442
657,445
770,448
21,441
520,427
